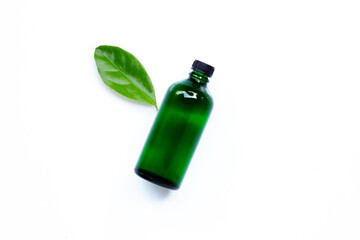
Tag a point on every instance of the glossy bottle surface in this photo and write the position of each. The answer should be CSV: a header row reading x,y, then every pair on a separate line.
x,y
176,132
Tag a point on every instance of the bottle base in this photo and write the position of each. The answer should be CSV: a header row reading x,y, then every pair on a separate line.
x,y
156,179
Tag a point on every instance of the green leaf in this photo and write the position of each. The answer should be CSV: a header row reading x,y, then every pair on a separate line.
x,y
122,72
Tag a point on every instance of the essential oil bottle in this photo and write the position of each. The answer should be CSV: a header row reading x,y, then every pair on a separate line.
x,y
177,129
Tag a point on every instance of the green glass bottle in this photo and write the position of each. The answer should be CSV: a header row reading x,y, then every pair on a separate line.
x,y
177,129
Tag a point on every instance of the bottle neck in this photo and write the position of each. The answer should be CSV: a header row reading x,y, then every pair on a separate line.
x,y
199,77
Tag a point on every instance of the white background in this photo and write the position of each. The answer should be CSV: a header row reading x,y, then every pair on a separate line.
x,y
279,158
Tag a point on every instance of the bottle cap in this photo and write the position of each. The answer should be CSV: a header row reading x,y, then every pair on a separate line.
x,y
203,68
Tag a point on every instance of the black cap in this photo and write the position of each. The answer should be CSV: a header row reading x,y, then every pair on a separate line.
x,y
203,68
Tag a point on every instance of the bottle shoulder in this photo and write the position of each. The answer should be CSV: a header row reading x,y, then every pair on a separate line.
x,y
190,89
